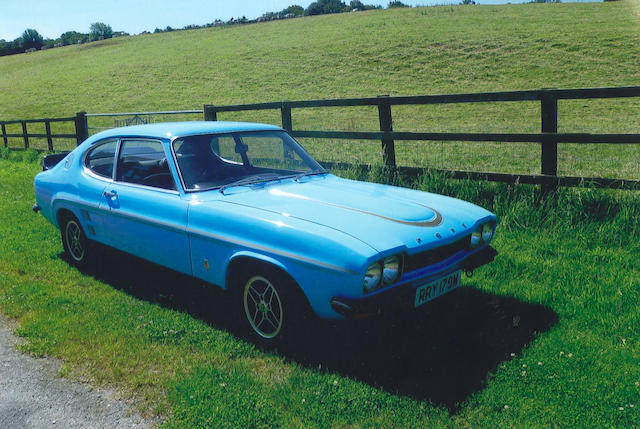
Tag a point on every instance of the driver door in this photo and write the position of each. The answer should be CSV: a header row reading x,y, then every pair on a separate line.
x,y
147,216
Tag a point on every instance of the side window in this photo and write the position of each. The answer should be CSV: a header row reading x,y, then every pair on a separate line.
x,y
100,159
144,162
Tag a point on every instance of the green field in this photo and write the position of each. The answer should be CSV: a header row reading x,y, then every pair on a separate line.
x,y
547,335
433,50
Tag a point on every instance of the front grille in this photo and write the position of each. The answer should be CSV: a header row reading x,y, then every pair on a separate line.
x,y
434,256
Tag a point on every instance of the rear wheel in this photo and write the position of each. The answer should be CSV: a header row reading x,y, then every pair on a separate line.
x,y
74,241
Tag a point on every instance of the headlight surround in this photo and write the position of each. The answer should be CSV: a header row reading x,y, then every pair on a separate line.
x,y
372,277
391,267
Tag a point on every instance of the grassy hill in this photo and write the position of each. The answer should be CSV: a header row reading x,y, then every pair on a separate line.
x,y
447,49
400,51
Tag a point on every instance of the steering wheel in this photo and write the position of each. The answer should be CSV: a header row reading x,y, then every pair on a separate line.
x,y
159,180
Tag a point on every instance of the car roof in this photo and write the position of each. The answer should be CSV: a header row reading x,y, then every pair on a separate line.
x,y
170,130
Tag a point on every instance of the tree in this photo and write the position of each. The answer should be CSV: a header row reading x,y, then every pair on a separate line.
x,y
4,47
396,3
72,38
31,39
313,9
358,5
322,7
100,31
268,16
294,10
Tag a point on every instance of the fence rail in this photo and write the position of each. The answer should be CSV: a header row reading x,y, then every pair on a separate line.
x,y
548,137
135,118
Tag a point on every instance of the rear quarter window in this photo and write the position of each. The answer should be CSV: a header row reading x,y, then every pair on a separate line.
x,y
100,159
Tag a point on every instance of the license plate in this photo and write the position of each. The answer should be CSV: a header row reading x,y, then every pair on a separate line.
x,y
436,288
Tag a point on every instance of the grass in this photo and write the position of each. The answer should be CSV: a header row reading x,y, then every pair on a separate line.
x,y
546,335
430,50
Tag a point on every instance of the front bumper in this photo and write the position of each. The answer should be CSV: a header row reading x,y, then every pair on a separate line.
x,y
401,297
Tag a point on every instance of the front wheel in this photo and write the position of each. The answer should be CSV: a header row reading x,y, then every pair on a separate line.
x,y
272,307
75,242
262,305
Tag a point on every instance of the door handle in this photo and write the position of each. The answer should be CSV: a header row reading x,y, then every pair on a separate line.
x,y
110,194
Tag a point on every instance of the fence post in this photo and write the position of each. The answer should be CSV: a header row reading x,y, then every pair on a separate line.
x,y
386,125
549,155
210,113
82,130
285,114
4,134
25,135
287,124
47,126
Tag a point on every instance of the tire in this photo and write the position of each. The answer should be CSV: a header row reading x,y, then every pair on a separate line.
x,y
74,241
270,305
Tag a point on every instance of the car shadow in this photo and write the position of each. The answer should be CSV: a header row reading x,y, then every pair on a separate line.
x,y
441,353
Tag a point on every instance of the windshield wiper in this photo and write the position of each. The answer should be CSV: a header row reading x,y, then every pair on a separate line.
x,y
309,173
251,180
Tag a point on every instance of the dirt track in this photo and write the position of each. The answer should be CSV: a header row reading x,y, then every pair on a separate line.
x,y
33,396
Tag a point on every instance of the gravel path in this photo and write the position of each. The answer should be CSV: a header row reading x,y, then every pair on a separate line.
x,y
33,396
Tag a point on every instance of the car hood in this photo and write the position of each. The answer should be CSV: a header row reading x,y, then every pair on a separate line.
x,y
384,217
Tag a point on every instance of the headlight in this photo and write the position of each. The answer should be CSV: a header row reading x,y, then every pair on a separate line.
x,y
476,238
372,277
390,269
482,235
487,232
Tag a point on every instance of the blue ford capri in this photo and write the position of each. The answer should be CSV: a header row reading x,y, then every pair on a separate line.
x,y
242,206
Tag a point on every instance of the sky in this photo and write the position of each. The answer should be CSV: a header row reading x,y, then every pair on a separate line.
x,y
51,18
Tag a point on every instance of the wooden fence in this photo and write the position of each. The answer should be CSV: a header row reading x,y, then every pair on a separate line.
x,y
79,121
548,137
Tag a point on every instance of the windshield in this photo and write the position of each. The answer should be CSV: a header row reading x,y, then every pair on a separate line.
x,y
212,161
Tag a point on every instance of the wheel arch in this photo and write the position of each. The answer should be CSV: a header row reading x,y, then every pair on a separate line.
x,y
242,263
65,213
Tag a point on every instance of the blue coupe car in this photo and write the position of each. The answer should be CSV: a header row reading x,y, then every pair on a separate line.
x,y
242,206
